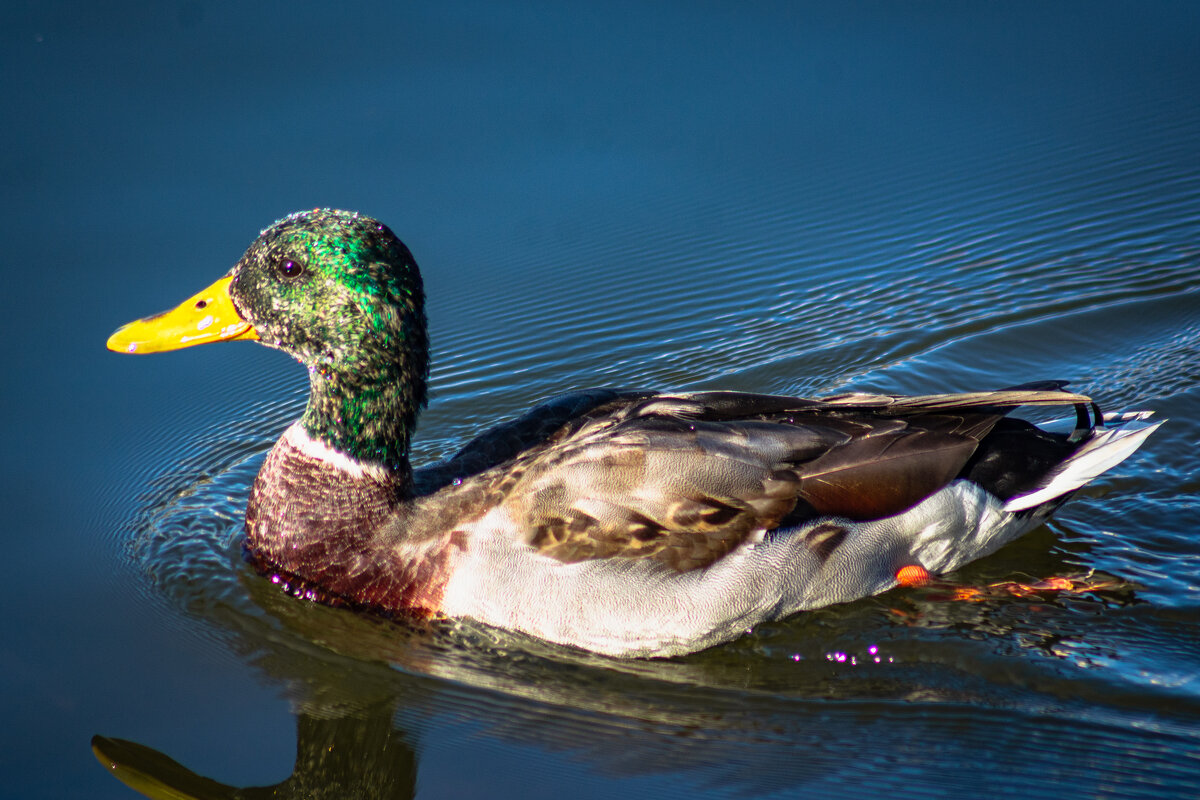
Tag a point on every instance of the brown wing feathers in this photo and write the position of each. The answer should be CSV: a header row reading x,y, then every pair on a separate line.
x,y
685,479
683,492
890,464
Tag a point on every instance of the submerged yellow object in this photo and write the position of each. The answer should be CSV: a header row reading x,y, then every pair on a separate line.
x,y
207,316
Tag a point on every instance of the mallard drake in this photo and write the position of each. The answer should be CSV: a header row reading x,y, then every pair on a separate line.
x,y
631,523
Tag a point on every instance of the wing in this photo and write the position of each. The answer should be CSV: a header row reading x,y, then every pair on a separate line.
x,y
684,479
684,492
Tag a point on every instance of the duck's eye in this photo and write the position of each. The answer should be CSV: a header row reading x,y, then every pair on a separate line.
x,y
289,269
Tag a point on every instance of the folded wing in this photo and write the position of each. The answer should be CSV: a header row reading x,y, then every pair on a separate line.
x,y
685,479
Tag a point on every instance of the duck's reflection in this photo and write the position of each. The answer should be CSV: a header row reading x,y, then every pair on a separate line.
x,y
361,756
756,713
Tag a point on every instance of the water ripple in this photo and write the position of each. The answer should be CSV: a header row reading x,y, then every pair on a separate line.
x,y
1049,263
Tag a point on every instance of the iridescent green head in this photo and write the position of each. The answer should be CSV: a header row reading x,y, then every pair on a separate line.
x,y
333,289
341,294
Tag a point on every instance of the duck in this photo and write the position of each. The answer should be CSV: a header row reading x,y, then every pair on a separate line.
x,y
630,523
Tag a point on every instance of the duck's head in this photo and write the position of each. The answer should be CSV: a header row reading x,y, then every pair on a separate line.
x,y
342,295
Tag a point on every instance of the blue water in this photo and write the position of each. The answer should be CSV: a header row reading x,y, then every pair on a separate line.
x,y
769,197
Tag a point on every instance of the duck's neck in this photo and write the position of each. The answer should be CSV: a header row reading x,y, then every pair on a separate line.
x,y
367,411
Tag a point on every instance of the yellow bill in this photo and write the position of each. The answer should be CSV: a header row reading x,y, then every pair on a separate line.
x,y
207,316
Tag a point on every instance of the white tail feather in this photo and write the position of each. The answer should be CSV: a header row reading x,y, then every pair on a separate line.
x,y
1107,448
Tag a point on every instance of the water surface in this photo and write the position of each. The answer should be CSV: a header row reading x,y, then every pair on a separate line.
x,y
782,198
